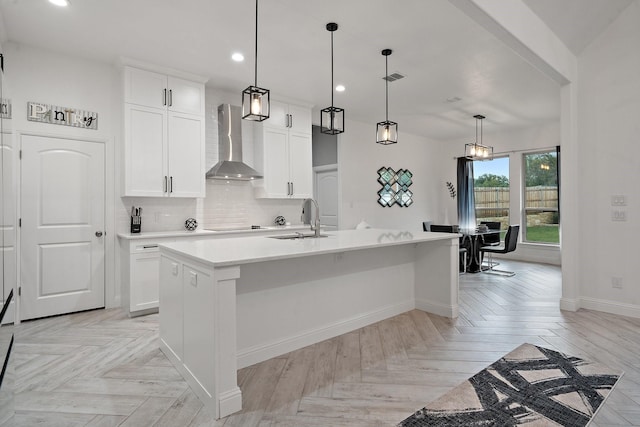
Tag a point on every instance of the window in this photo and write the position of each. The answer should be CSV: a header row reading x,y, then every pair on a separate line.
x,y
491,190
541,212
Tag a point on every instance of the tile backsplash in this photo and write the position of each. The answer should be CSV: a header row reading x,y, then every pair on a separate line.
x,y
231,204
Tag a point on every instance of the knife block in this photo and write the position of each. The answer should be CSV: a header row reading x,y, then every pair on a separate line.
x,y
136,224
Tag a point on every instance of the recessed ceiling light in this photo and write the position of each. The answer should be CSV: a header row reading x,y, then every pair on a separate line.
x,y
238,57
61,3
340,88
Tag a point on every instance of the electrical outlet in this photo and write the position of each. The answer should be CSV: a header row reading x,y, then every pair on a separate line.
x,y
619,200
616,282
618,215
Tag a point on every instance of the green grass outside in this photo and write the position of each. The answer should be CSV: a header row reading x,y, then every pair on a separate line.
x,y
543,234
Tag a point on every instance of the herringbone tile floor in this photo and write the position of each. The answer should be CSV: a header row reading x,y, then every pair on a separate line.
x,y
101,368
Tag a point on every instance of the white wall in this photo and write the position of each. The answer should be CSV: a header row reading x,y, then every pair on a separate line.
x,y
359,158
609,129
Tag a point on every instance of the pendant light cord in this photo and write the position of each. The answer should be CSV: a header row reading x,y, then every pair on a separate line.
x,y
386,84
332,69
256,51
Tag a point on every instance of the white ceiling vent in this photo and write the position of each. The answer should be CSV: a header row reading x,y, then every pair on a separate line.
x,y
394,76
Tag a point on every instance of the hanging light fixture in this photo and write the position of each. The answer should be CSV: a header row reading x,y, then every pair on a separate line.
x,y
332,118
255,100
387,131
477,150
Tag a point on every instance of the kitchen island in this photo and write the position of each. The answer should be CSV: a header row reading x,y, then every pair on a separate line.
x,y
230,303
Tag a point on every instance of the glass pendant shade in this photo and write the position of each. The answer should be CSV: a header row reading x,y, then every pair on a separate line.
x,y
387,132
255,100
255,103
332,118
477,150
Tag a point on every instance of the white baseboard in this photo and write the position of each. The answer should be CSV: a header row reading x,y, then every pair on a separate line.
x,y
450,311
613,307
569,304
252,355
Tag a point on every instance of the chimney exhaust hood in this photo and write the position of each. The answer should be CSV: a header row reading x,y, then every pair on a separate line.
x,y
230,165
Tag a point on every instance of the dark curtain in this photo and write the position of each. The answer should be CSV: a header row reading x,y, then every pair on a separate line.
x,y
558,178
466,198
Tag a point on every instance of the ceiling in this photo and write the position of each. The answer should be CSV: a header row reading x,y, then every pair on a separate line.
x,y
454,69
577,22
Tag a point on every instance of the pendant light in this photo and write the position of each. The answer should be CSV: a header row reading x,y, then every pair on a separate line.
x,y
255,100
477,150
387,131
332,118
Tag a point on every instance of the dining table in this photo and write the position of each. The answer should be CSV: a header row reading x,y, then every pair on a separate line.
x,y
473,240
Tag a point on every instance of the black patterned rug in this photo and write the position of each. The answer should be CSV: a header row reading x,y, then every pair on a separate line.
x,y
531,386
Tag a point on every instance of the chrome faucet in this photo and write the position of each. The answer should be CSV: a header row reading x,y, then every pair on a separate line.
x,y
306,216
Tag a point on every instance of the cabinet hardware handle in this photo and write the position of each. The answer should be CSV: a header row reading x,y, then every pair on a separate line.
x,y
288,120
164,97
98,233
291,121
165,184
292,188
170,98
170,184
149,246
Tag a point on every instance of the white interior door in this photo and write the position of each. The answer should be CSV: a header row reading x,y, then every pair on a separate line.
x,y
326,190
62,231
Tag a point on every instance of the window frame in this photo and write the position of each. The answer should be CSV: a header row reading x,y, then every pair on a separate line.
x,y
508,208
526,210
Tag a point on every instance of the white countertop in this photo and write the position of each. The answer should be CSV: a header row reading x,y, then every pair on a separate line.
x,y
205,233
245,250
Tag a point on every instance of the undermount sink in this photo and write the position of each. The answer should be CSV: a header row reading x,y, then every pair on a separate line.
x,y
296,236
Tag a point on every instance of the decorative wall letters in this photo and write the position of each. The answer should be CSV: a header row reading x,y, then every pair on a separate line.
x,y
5,108
45,113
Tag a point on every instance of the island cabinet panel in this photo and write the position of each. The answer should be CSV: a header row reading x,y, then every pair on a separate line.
x,y
171,324
199,317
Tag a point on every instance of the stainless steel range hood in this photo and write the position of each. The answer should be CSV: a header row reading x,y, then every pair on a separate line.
x,y
230,165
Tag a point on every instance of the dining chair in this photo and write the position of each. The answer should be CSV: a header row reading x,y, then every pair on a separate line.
x,y
491,239
509,245
436,228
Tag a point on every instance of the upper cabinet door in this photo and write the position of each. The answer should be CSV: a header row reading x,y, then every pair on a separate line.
x,y
185,96
278,115
300,119
146,88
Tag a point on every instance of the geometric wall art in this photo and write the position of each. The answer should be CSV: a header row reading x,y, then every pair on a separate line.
x,y
395,187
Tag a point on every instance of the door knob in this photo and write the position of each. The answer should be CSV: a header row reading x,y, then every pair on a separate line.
x,y
98,233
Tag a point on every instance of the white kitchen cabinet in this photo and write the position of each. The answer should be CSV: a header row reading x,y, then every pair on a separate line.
x,y
283,154
158,90
164,135
292,117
